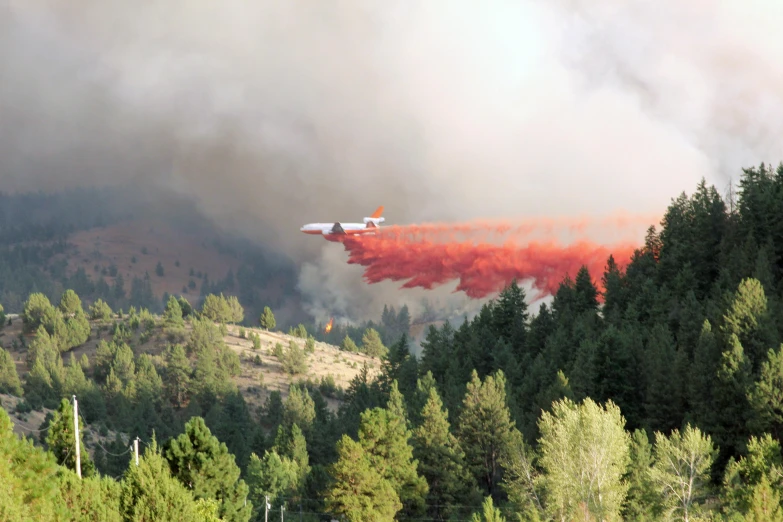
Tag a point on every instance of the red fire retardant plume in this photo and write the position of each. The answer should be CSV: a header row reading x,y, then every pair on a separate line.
x,y
427,257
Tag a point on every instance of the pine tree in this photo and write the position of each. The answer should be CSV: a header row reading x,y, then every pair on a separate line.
x,y
441,461
510,317
489,513
100,311
299,408
267,319
384,435
62,442
484,428
372,345
9,378
641,503
172,314
348,345
359,491
766,395
206,468
149,492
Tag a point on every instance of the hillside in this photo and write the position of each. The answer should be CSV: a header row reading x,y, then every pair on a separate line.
x,y
134,248
261,371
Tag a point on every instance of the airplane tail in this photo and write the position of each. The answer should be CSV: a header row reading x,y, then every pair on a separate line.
x,y
375,219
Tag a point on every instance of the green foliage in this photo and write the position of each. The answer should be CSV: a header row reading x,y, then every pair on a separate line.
x,y
186,307
359,491
61,440
294,360
349,345
489,513
177,376
36,308
9,378
256,339
385,437
484,428
442,462
150,492
172,314
372,345
748,479
681,469
585,454
299,408
205,467
300,331
100,311
28,478
310,345
222,309
267,319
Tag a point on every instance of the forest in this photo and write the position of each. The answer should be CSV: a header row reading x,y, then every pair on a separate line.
x,y
648,393
35,229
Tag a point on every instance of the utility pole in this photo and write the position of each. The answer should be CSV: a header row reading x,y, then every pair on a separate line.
x,y
136,449
76,437
282,508
266,508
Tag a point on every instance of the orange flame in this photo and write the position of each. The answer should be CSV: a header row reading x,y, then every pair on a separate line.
x,y
329,325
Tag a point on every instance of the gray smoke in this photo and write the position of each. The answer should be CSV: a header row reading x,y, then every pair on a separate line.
x,y
273,114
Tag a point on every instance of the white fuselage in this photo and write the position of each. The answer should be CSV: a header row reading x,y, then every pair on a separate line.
x,y
326,228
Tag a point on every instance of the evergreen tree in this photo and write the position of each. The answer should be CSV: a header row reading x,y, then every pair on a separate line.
x,y
484,429
359,491
206,468
274,477
35,308
441,461
61,440
267,319
348,345
295,360
100,311
510,317
9,378
149,492
384,436
642,501
172,314
489,513
372,345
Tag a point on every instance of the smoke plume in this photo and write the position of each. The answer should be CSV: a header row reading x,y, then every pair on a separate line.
x,y
270,115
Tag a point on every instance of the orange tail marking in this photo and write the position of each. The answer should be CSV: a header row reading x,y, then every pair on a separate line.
x,y
378,212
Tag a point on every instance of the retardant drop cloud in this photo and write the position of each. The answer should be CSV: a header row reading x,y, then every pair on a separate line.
x,y
274,114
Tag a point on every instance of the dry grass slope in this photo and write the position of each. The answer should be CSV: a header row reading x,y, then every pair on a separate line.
x,y
326,360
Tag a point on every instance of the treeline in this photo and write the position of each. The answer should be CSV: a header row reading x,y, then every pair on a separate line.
x,y
657,398
35,228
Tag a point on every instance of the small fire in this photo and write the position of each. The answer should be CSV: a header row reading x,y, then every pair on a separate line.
x,y
329,325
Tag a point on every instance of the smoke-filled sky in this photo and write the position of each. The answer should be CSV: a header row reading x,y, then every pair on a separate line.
x,y
274,114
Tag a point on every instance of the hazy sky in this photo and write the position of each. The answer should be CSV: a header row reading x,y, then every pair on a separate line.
x,y
275,114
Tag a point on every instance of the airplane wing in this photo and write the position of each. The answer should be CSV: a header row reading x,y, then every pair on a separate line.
x,y
338,229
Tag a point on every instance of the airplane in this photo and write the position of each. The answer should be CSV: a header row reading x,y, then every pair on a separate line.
x,y
332,231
